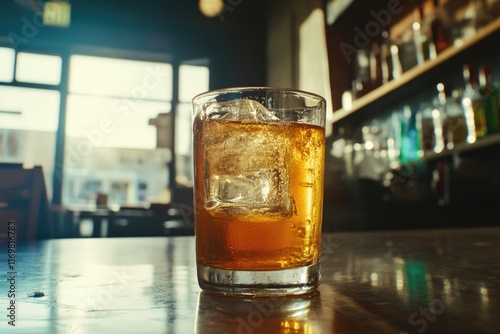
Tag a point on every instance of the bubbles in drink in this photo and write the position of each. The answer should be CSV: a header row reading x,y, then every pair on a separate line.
x,y
245,162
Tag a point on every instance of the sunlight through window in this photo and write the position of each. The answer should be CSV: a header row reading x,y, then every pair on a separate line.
x,y
38,68
193,80
120,77
112,144
29,109
7,64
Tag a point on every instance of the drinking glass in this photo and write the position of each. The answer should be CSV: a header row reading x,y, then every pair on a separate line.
x,y
259,165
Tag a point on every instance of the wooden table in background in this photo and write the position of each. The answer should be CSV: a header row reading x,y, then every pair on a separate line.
x,y
441,281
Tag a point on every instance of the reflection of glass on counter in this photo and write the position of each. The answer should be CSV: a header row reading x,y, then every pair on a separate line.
x,y
222,314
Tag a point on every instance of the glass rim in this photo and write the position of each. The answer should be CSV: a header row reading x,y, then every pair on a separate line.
x,y
219,91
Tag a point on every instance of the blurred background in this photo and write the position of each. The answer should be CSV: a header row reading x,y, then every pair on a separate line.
x,y
98,94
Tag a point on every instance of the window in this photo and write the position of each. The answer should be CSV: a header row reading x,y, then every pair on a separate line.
x,y
111,141
118,124
29,116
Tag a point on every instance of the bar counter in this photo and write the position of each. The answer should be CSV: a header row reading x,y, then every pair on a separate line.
x,y
404,282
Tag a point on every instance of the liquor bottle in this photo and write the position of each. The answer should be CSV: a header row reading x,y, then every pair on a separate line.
x,y
442,182
408,43
482,14
454,121
477,14
389,53
397,68
371,166
495,8
393,139
474,112
430,118
362,73
386,58
438,29
375,65
410,136
489,99
423,33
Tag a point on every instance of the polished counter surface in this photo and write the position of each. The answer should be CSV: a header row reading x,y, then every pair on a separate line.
x,y
440,281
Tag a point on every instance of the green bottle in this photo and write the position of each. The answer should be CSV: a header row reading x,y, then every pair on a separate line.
x,y
489,99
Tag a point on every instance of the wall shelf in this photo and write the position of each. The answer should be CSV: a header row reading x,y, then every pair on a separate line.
x,y
412,78
483,143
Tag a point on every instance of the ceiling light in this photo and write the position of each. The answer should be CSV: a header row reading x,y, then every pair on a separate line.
x,y
211,8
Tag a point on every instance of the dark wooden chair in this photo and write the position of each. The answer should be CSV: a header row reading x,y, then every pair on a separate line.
x,y
23,199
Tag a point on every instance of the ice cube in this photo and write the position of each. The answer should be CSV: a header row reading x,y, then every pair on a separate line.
x,y
256,194
246,174
242,110
256,190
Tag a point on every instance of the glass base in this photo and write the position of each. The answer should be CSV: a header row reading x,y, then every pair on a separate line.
x,y
283,282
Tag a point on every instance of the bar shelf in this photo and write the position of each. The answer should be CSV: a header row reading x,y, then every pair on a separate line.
x,y
483,143
419,76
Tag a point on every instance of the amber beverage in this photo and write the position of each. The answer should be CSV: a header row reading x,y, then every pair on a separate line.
x,y
258,191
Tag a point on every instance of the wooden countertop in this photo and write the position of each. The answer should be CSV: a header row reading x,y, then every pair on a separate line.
x,y
439,281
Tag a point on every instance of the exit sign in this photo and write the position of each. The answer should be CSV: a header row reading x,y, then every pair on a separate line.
x,y
57,14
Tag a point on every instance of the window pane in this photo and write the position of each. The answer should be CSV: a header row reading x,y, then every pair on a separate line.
x,y
128,176
28,123
113,122
7,64
37,68
184,131
29,108
184,145
120,78
111,148
193,80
